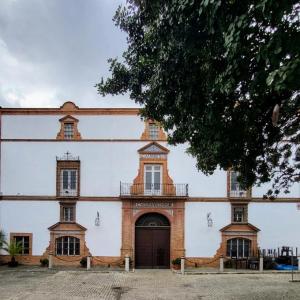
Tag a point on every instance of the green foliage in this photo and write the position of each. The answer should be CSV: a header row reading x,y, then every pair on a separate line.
x,y
176,261
212,72
2,238
44,262
13,249
83,262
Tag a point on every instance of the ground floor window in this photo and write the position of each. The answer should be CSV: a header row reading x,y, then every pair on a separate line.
x,y
24,242
67,245
238,247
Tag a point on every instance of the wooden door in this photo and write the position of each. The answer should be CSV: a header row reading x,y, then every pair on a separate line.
x,y
152,247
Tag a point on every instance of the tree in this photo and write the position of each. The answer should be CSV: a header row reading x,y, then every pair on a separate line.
x,y
14,248
213,73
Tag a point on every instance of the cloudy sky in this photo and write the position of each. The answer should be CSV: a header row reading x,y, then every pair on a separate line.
x,y
57,50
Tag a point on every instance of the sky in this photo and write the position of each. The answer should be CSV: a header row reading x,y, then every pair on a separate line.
x,y
52,51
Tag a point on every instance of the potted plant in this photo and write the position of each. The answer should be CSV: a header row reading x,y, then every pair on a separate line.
x,y
83,262
176,263
13,249
44,262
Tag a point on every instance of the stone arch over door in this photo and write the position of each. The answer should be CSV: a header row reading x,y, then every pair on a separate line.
x,y
152,241
173,210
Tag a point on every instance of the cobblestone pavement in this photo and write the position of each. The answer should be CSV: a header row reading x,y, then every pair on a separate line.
x,y
143,284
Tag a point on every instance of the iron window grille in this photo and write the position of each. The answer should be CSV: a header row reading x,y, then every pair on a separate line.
x,y
67,245
24,242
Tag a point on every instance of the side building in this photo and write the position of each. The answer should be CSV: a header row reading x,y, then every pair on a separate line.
x,y
92,181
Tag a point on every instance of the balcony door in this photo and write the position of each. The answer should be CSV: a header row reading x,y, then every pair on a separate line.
x,y
153,180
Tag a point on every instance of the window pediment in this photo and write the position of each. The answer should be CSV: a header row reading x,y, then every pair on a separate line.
x,y
240,228
153,148
61,226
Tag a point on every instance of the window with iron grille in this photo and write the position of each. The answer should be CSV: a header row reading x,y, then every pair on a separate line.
x,y
153,131
239,213
67,245
238,247
68,131
68,179
24,242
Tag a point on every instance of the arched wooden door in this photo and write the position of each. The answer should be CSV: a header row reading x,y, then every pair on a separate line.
x,y
152,241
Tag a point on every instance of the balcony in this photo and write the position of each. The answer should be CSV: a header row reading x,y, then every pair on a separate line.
x,y
238,194
152,190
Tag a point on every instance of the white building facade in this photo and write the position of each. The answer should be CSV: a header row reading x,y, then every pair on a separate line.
x,y
91,181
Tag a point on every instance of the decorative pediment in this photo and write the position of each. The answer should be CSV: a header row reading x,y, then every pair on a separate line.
x,y
62,226
68,118
235,227
69,106
153,148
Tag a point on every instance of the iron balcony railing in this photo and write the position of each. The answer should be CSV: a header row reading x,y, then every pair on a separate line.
x,y
153,189
241,194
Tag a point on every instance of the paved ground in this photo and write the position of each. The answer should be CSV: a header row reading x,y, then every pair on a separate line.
x,y
142,284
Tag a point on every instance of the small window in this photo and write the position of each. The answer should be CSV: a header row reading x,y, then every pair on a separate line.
x,y
238,247
25,240
67,245
235,189
239,213
68,131
153,131
69,182
67,212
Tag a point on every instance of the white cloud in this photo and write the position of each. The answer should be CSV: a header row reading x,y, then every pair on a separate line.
x,y
52,51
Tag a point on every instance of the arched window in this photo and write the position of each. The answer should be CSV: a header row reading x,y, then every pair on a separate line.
x,y
238,247
67,245
152,220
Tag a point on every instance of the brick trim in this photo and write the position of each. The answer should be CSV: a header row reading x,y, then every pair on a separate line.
x,y
67,164
68,120
175,215
146,133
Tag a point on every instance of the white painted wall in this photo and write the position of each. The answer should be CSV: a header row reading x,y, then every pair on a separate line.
x,y
30,217
279,224
29,168
201,240
104,240
90,127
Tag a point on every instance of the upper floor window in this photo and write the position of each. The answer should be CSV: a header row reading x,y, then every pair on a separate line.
x,y
239,213
235,188
68,182
68,175
68,129
67,245
67,212
153,131
153,178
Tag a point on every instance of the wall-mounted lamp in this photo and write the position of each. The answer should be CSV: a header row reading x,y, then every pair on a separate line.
x,y
209,220
97,219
